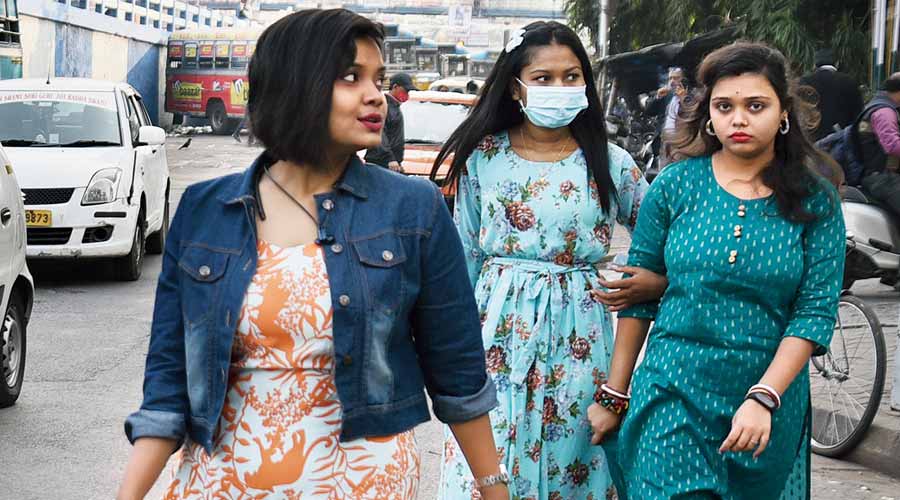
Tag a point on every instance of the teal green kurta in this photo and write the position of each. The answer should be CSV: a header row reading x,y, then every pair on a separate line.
x,y
717,329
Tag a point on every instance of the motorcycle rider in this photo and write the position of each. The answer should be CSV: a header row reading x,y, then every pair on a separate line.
x,y
665,104
878,134
879,145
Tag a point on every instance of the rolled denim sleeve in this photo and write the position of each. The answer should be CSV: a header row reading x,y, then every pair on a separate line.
x,y
165,407
447,328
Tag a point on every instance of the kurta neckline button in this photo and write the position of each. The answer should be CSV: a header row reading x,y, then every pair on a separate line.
x,y
387,255
327,204
204,271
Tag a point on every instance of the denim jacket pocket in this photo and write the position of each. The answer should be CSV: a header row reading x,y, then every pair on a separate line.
x,y
204,268
381,257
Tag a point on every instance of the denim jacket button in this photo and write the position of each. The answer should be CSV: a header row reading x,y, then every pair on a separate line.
x,y
204,271
344,300
387,255
337,248
327,204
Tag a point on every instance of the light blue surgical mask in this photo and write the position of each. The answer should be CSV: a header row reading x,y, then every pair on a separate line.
x,y
555,106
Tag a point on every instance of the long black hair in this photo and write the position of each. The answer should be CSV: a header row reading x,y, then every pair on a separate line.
x,y
798,166
496,110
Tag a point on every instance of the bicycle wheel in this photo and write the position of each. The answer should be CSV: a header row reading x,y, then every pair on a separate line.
x,y
846,383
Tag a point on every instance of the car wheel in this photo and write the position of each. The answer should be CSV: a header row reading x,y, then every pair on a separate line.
x,y
128,267
218,119
156,242
12,351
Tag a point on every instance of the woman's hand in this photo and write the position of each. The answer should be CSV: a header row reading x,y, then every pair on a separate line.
x,y
642,286
495,492
603,422
751,428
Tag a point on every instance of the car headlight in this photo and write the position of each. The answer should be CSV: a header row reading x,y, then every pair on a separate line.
x,y
103,187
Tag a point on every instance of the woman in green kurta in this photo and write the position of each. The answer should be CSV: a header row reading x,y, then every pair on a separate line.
x,y
752,241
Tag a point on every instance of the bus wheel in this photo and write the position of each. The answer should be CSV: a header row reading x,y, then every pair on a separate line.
x,y
218,118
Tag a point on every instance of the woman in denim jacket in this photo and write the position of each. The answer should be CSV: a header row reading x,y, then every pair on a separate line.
x,y
305,304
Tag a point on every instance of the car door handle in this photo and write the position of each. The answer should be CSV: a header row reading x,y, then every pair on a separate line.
x,y
5,216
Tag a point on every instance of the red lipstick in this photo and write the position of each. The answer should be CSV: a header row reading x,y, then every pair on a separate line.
x,y
373,122
740,137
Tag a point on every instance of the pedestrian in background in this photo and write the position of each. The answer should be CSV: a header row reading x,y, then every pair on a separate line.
x,y
282,361
389,153
751,238
539,192
839,98
666,104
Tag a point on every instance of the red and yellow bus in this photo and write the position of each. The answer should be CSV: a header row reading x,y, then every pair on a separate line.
x,y
206,75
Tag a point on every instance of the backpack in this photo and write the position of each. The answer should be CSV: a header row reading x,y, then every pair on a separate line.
x,y
843,147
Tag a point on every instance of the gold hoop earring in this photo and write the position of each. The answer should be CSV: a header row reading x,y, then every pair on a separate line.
x,y
709,128
785,126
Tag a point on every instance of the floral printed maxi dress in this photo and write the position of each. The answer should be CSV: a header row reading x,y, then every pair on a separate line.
x,y
278,435
534,234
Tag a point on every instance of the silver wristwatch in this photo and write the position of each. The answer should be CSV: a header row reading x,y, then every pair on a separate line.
x,y
501,478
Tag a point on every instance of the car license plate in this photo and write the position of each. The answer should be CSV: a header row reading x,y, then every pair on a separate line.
x,y
38,218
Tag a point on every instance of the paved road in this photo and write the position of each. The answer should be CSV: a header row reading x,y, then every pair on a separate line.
x,y
86,348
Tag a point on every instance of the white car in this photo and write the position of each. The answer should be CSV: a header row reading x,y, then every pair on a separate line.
x,y
92,167
16,285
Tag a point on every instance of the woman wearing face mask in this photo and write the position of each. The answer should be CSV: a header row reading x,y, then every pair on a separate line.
x,y
282,360
539,191
751,236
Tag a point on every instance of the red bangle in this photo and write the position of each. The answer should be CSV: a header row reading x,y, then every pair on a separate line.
x,y
610,401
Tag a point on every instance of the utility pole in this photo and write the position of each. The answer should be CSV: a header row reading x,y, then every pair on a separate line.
x,y
603,29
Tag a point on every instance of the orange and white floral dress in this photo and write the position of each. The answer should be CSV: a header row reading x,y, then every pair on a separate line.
x,y
278,435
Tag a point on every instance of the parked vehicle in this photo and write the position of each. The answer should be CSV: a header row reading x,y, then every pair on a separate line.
x,y
206,75
628,78
16,285
429,118
206,70
458,84
847,380
876,241
92,167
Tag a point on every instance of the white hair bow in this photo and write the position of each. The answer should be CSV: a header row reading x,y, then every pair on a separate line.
x,y
515,40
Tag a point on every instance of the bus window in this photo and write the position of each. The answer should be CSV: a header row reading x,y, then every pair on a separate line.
x,y
176,52
239,57
426,62
223,58
190,55
205,60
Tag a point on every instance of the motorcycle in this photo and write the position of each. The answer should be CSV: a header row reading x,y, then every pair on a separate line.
x,y
636,134
628,77
873,238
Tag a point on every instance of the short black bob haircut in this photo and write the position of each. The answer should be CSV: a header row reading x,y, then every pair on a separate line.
x,y
292,75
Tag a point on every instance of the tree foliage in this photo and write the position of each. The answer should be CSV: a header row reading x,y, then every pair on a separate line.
x,y
797,27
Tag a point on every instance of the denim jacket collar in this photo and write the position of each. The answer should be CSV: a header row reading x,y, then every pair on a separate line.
x,y
355,180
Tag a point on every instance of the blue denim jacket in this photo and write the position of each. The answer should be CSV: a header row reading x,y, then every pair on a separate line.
x,y
404,313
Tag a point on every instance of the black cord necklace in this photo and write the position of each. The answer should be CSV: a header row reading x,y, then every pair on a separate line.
x,y
322,238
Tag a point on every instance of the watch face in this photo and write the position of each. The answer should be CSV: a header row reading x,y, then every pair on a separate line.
x,y
764,399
